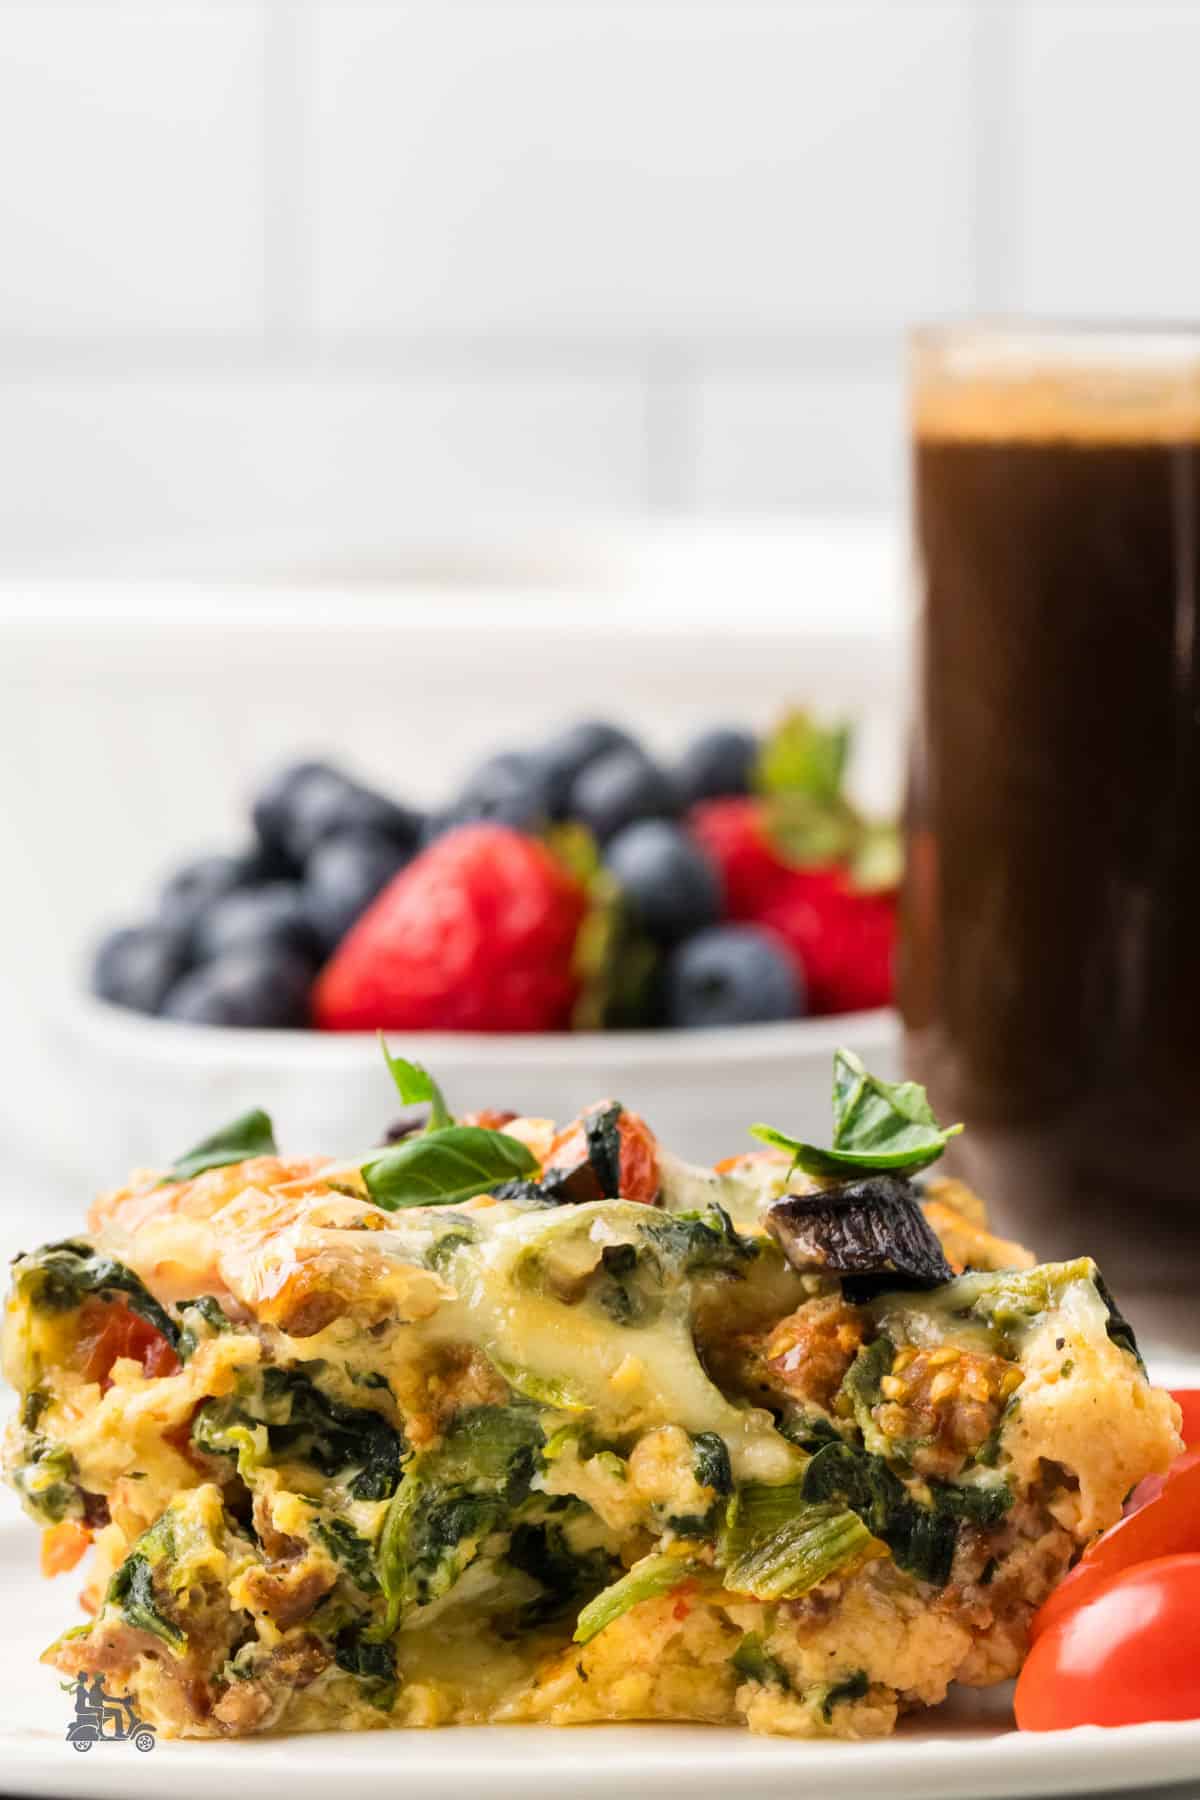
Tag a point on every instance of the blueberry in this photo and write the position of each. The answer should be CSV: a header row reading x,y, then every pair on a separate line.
x,y
718,762
137,965
569,753
510,783
312,801
344,874
619,787
271,807
672,887
508,789
254,986
731,975
195,887
266,862
274,917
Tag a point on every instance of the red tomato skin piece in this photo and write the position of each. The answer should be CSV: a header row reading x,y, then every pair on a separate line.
x,y
1168,1525
108,1329
1130,1655
1188,1400
1153,1485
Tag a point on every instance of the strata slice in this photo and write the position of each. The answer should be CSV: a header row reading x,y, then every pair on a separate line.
x,y
504,1423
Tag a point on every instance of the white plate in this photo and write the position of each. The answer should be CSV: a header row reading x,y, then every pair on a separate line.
x,y
965,1750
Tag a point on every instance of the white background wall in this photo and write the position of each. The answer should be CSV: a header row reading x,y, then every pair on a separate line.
x,y
364,271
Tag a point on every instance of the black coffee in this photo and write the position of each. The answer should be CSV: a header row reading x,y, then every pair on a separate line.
x,y
1050,978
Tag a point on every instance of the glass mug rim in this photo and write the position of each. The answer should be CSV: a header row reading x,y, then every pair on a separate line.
x,y
989,377
1010,335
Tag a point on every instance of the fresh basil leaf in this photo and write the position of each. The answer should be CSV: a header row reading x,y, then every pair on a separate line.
x,y
250,1135
876,1125
440,1167
415,1086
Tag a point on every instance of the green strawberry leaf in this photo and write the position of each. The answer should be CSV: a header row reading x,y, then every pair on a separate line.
x,y
440,1167
802,757
614,962
250,1135
415,1086
812,834
876,1125
878,861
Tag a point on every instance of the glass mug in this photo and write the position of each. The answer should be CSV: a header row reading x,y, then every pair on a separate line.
x,y
1050,968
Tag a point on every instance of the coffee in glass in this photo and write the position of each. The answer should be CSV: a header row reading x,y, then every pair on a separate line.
x,y
1050,971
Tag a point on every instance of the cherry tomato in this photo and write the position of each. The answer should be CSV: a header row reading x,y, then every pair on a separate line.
x,y
1189,1405
1166,1526
639,1160
1188,1400
1152,1486
1129,1654
638,1179
108,1330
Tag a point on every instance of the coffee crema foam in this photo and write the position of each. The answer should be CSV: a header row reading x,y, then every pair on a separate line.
x,y
1079,405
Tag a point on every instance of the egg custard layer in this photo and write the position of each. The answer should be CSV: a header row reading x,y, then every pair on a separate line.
x,y
700,1446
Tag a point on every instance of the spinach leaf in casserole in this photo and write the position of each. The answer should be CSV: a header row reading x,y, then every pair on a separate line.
x,y
922,1538
60,1277
43,1474
642,1258
452,1499
567,1577
282,1415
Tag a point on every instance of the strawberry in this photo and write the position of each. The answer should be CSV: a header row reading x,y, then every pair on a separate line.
x,y
752,869
842,939
476,934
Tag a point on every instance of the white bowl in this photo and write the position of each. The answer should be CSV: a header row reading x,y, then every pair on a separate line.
x,y
152,1087
136,715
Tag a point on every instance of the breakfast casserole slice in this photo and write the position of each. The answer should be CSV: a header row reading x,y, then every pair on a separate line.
x,y
507,1424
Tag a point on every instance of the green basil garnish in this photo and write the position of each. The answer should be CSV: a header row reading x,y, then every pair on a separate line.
x,y
415,1086
439,1167
250,1135
876,1125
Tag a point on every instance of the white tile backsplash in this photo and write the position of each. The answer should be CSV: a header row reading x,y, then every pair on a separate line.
x,y
131,167
1111,137
638,166
798,440
367,461
342,264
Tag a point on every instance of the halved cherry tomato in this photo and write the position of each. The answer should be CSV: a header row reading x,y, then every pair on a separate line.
x,y
1166,1526
639,1160
63,1545
570,1156
1129,1654
107,1330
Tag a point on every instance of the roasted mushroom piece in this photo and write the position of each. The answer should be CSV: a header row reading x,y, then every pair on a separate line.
x,y
871,1232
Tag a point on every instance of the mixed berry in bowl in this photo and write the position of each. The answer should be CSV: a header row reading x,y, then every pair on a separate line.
x,y
580,884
